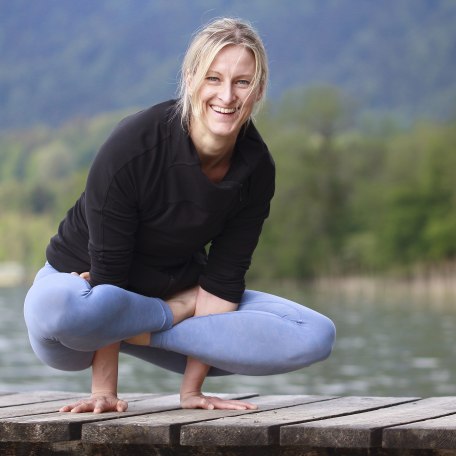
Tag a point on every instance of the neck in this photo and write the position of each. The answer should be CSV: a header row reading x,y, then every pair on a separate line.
x,y
212,150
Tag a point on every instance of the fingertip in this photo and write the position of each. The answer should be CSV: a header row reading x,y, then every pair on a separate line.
x,y
122,406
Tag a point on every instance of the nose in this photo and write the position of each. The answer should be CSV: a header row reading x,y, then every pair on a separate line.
x,y
226,94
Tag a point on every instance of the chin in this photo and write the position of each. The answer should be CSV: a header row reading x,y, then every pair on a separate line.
x,y
223,129
227,129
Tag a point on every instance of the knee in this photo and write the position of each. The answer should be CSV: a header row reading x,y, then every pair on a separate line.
x,y
57,356
314,343
51,307
325,337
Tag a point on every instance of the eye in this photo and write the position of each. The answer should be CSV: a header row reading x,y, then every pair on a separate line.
x,y
243,82
212,78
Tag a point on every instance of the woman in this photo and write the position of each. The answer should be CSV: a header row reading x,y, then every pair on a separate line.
x,y
169,181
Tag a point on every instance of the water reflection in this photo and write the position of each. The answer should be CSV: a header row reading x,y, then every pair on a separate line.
x,y
389,343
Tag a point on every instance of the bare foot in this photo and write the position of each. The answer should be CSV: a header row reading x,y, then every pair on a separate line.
x,y
182,306
140,339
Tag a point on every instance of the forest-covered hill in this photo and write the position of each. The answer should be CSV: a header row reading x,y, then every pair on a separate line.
x,y
63,59
371,200
373,196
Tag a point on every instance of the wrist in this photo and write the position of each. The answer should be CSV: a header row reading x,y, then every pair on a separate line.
x,y
101,393
188,392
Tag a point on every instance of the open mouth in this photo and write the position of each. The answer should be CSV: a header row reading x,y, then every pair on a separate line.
x,y
220,110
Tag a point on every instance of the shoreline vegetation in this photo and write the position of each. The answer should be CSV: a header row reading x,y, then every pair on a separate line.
x,y
12,274
359,200
438,285
420,287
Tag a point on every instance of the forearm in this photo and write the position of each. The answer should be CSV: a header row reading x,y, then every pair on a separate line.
x,y
194,376
104,384
196,371
105,367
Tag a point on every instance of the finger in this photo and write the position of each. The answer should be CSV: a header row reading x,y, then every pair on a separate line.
x,y
68,408
82,408
213,402
75,274
202,403
102,405
85,275
234,405
100,408
122,406
247,405
227,406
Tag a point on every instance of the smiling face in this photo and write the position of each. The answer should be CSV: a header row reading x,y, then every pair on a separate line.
x,y
225,97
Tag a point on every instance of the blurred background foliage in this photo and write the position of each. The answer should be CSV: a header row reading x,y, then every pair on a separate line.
x,y
349,200
360,119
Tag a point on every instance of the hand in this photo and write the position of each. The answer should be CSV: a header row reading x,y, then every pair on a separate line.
x,y
199,400
182,304
98,403
83,275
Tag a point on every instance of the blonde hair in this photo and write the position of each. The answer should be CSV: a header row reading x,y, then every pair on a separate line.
x,y
206,44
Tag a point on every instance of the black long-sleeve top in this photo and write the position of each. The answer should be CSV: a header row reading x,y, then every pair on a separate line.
x,y
148,211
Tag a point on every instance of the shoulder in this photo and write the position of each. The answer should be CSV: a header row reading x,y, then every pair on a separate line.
x,y
137,136
155,115
145,127
255,151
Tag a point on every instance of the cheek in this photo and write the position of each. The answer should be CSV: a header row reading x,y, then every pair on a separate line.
x,y
206,93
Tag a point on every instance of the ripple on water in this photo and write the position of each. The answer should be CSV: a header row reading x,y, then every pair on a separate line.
x,y
380,350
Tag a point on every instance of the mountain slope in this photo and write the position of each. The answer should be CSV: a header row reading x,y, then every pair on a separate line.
x,y
64,59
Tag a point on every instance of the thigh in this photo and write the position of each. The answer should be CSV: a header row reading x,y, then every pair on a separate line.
x,y
50,351
45,271
56,355
284,308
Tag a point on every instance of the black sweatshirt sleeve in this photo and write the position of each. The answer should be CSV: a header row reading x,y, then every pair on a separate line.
x,y
111,213
231,252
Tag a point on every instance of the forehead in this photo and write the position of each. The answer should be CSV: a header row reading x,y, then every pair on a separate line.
x,y
234,59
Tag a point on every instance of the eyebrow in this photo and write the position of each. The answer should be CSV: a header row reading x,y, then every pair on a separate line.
x,y
244,75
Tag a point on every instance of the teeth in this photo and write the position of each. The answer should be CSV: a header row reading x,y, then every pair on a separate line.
x,y
224,110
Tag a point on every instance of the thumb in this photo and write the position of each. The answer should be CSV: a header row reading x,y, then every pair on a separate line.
x,y
206,404
122,406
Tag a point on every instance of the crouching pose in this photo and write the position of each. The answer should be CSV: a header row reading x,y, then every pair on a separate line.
x,y
128,269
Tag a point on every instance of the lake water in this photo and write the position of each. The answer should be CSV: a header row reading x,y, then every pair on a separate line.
x,y
390,343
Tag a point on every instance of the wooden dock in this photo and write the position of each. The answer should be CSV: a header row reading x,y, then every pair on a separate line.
x,y
283,425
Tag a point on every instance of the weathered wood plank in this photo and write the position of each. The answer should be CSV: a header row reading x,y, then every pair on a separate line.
x,y
364,430
163,428
262,428
55,427
155,424
35,408
34,397
437,433
79,448
50,406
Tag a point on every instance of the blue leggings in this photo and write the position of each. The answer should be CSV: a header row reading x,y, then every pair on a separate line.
x,y
68,321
